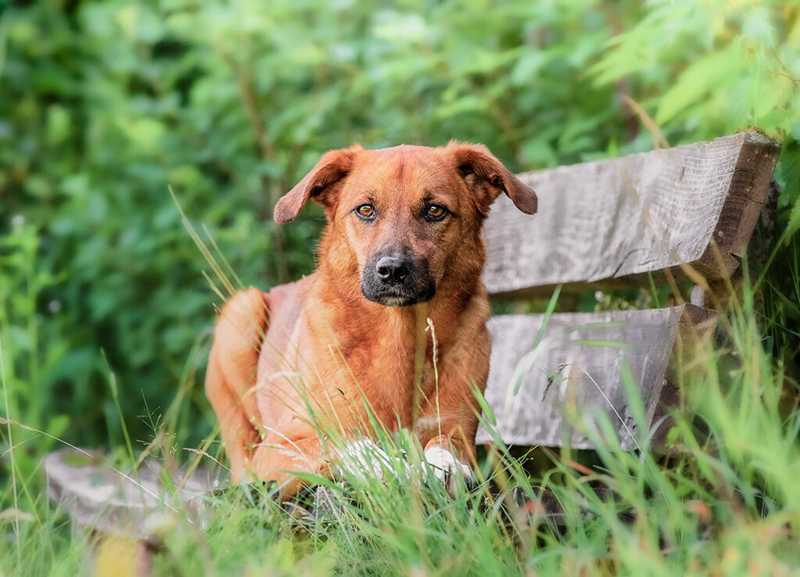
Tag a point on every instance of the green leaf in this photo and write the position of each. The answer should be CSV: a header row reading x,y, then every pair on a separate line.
x,y
710,72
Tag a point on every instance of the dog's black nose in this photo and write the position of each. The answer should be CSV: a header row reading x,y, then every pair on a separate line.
x,y
392,268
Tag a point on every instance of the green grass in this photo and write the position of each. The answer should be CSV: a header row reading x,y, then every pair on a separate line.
x,y
727,503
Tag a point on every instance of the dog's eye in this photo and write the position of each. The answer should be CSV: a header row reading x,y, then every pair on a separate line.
x,y
435,212
366,211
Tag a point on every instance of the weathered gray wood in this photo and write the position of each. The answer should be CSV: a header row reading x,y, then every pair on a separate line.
x,y
100,498
762,242
695,204
577,370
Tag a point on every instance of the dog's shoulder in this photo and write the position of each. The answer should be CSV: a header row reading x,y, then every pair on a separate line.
x,y
289,294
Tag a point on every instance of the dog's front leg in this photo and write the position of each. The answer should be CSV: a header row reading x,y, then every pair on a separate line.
x,y
449,417
280,461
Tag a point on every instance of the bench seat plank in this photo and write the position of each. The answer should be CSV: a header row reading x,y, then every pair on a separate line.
x,y
577,369
633,215
100,498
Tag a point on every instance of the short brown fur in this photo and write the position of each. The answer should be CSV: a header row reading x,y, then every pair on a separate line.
x,y
319,346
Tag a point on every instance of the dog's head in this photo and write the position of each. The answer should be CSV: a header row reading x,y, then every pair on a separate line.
x,y
404,216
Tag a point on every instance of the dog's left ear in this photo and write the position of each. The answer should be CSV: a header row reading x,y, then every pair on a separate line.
x,y
321,184
486,177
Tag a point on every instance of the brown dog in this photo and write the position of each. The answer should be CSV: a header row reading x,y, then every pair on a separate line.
x,y
402,252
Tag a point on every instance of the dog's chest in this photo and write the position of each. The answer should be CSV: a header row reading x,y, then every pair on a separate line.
x,y
380,366
340,365
388,367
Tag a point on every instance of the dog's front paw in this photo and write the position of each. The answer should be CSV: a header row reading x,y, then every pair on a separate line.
x,y
446,466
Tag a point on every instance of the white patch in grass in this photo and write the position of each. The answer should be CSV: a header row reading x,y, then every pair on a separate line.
x,y
364,459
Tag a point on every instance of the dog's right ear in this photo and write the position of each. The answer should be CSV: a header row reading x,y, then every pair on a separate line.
x,y
321,184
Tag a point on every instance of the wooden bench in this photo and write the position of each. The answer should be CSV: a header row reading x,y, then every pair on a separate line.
x,y
675,215
680,214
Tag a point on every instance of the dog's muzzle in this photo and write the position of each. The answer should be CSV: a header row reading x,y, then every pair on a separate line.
x,y
396,280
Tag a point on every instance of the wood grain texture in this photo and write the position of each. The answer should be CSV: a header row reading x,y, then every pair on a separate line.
x,y
578,370
97,497
694,204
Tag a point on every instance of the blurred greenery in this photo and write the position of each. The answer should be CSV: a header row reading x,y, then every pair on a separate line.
x,y
106,103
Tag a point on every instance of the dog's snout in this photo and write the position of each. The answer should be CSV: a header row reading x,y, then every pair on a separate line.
x,y
392,268
397,278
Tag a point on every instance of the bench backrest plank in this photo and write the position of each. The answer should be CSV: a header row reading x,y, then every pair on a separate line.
x,y
632,215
